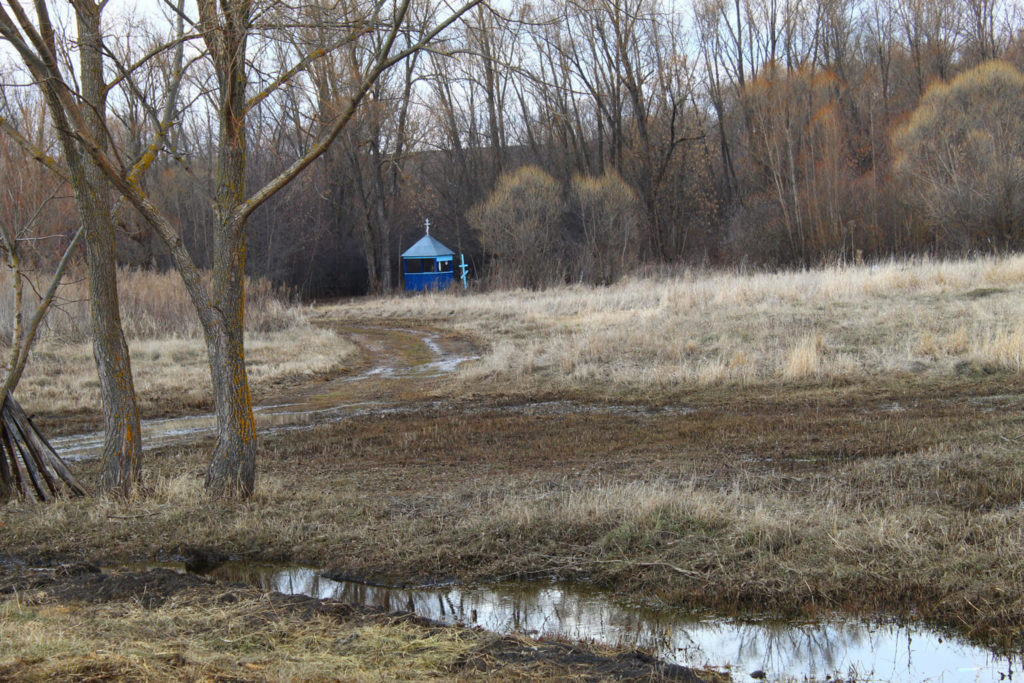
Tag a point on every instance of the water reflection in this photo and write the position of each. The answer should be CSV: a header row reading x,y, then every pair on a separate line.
x,y
870,651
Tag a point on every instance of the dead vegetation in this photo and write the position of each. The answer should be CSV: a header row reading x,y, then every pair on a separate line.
x,y
76,623
866,460
168,356
656,337
28,463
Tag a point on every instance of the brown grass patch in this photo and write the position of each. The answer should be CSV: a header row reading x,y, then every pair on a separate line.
x,y
216,635
91,626
168,354
660,335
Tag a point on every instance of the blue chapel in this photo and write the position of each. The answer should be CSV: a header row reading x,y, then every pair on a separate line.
x,y
428,264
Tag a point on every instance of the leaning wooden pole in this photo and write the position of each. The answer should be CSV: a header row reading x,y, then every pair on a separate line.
x,y
24,449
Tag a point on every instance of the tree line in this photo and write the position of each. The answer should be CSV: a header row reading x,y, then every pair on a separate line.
x,y
761,132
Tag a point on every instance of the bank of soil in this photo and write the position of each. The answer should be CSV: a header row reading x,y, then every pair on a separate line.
x,y
249,635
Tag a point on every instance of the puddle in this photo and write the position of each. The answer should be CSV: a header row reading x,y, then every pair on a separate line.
x,y
783,650
379,371
442,364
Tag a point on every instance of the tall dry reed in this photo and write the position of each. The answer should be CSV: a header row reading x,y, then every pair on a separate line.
x,y
168,356
153,305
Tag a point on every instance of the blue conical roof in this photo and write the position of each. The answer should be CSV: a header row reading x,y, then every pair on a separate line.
x,y
427,247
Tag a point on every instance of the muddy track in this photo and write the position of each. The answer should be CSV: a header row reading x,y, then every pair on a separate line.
x,y
401,369
395,364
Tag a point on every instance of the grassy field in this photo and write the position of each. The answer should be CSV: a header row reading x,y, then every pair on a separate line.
x,y
656,336
799,443
168,355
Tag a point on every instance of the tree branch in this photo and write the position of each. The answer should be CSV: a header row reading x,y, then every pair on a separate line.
x,y
33,150
382,62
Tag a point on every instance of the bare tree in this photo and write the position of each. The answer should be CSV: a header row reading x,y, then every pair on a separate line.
x,y
37,45
226,28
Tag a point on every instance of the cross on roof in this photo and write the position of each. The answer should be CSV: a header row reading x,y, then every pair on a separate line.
x,y
428,225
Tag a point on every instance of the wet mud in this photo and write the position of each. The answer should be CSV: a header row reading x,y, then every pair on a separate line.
x,y
394,363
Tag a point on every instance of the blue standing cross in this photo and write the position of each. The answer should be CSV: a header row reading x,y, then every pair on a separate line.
x,y
464,268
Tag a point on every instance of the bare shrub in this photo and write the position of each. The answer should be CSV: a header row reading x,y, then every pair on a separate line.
x,y
519,226
609,212
961,156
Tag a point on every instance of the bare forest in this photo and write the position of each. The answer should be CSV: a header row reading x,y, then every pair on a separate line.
x,y
570,141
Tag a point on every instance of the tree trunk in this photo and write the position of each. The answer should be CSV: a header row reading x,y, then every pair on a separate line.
x,y
232,470
122,446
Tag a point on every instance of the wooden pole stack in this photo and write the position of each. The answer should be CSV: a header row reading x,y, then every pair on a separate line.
x,y
27,460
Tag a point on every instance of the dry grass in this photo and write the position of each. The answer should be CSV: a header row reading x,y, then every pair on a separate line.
x,y
153,306
191,638
657,335
168,354
172,373
850,441
806,359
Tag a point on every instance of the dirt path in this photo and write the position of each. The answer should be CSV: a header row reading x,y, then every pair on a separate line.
x,y
396,364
